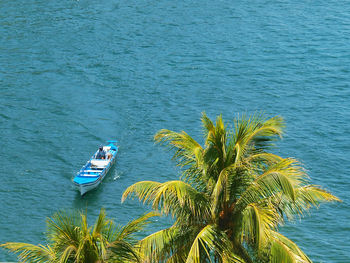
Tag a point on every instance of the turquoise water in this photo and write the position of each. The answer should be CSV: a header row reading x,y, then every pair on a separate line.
x,y
76,73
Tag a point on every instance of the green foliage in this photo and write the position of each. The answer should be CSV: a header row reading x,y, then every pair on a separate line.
x,y
70,239
231,198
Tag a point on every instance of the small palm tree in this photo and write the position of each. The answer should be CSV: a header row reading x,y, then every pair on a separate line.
x,y
70,239
231,198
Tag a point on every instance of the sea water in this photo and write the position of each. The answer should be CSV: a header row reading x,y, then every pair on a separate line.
x,y
74,74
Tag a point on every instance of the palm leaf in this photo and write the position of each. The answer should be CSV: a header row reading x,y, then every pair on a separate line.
x,y
221,189
306,196
204,239
209,239
281,253
121,251
256,222
282,177
31,253
133,227
143,190
285,250
169,245
264,157
63,228
170,197
68,253
255,131
208,127
186,147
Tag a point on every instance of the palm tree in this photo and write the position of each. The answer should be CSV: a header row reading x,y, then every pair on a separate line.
x,y
231,198
70,239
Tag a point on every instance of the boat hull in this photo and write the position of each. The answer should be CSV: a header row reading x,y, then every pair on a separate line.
x,y
86,188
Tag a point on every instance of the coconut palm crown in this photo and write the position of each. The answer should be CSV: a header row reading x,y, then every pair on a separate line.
x,y
231,198
70,239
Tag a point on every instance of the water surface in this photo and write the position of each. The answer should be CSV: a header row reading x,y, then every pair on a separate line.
x,y
76,73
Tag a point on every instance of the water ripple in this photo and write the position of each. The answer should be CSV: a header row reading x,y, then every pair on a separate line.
x,y
76,73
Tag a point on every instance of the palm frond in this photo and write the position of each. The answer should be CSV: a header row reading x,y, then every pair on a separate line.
x,y
199,246
265,131
186,147
31,253
63,228
176,258
255,131
282,177
175,195
133,227
285,250
121,251
100,223
216,139
221,190
143,190
100,235
208,127
68,253
170,197
166,245
281,253
306,196
256,222
313,195
208,240
264,157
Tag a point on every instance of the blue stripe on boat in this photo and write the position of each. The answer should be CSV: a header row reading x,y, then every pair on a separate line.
x,y
93,172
